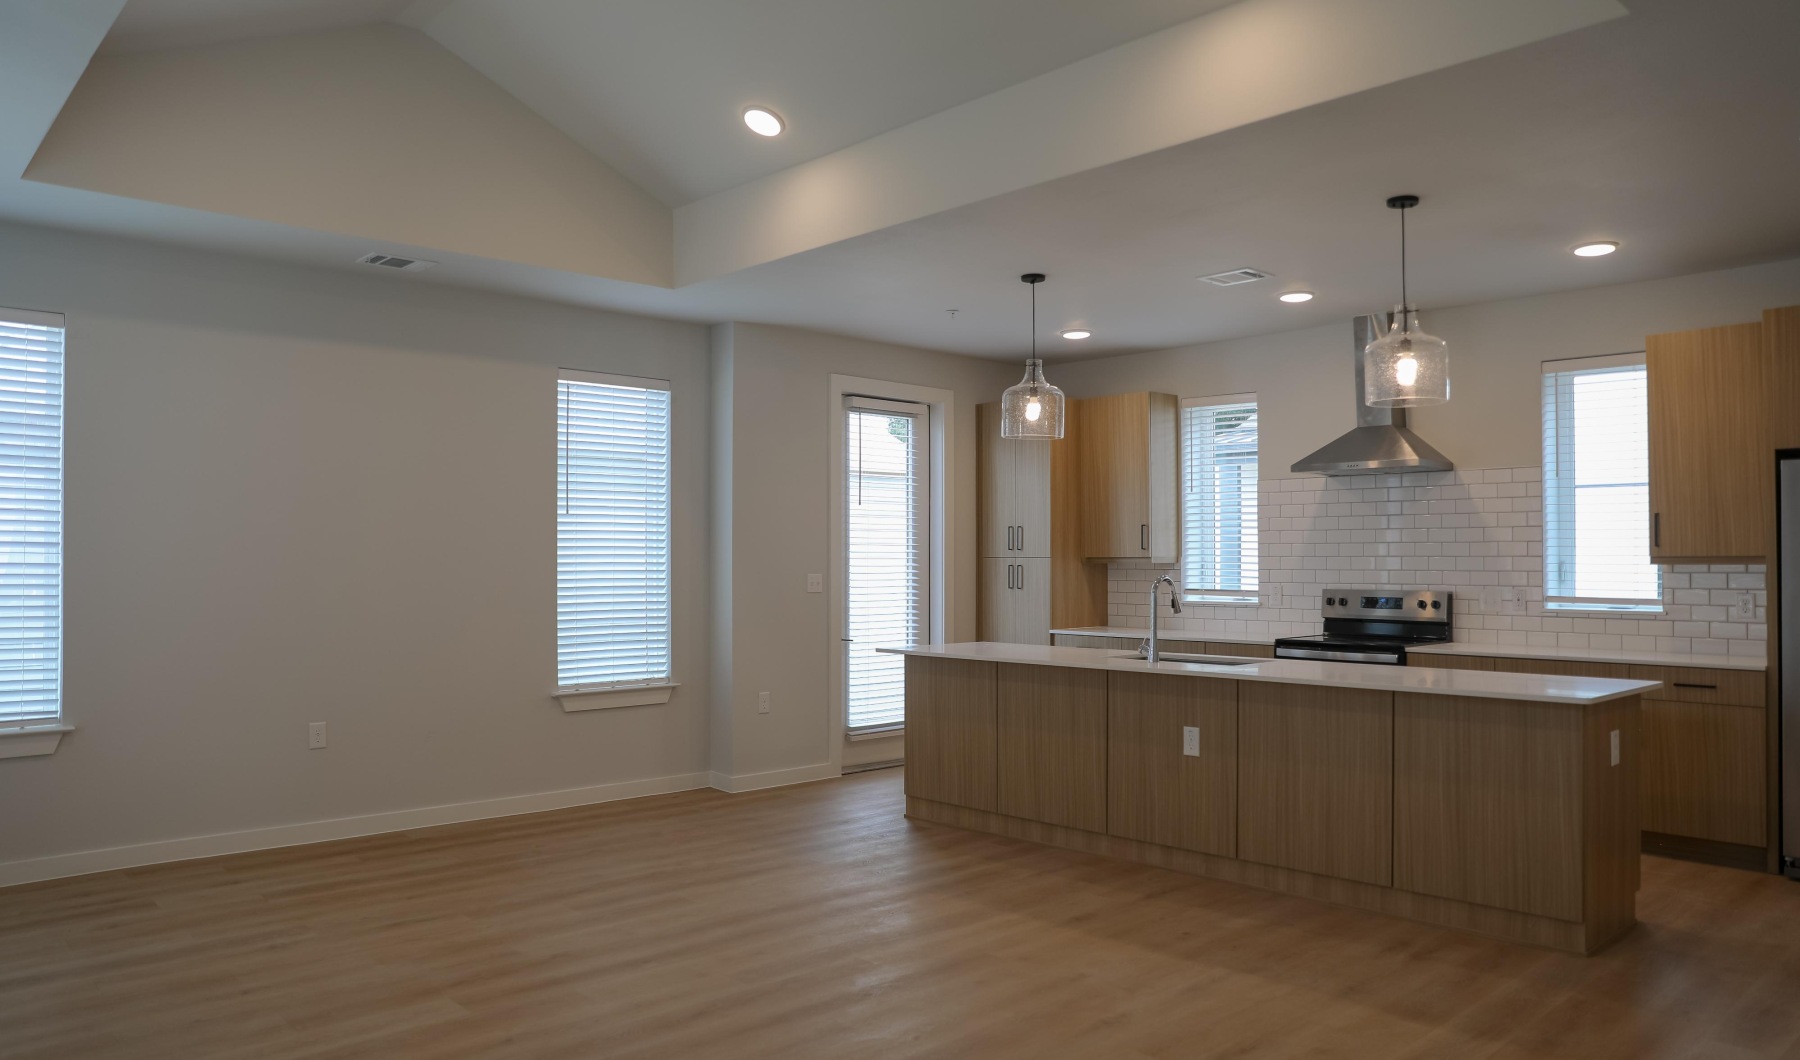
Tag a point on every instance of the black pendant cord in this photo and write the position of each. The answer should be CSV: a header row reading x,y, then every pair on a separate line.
x,y
1403,300
1034,321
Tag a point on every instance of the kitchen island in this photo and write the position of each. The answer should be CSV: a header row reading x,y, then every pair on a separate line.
x,y
1500,803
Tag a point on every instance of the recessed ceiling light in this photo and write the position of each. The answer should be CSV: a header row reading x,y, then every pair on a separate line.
x,y
763,121
1596,250
1077,333
1297,296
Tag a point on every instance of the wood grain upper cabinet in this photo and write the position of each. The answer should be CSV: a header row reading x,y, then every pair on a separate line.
x,y
1711,483
1014,491
1130,461
1013,601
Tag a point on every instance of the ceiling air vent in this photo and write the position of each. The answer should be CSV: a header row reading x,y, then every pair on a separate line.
x,y
393,261
1235,277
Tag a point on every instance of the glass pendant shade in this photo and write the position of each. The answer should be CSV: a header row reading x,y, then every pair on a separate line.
x,y
1406,367
1032,408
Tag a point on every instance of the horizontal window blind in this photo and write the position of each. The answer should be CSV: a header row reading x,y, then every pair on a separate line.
x,y
888,564
1597,485
612,531
1218,496
31,439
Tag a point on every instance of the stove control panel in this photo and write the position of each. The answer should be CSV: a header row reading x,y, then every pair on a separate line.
x,y
1389,605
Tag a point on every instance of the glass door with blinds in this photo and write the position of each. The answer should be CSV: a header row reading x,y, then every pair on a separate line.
x,y
887,541
31,423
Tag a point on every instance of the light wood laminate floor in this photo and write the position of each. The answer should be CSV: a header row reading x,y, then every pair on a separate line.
x,y
815,921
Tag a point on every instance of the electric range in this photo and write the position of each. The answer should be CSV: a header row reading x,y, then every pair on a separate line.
x,y
1374,626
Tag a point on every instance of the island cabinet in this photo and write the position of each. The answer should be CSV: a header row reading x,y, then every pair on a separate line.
x,y
1515,817
1051,745
1165,785
1705,752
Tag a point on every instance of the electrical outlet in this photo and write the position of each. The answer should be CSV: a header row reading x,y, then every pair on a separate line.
x,y
762,702
1615,747
1746,606
815,583
315,736
1190,740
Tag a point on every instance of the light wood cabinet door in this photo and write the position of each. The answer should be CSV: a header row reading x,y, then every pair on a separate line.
x,y
994,484
1129,459
1488,802
1031,498
1031,602
1052,745
1704,772
1316,780
1156,792
952,732
1711,481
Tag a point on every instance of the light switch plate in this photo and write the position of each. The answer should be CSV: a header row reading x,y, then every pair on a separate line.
x,y
762,702
815,583
1190,740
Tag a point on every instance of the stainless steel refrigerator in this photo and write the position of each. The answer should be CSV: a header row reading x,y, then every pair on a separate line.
x,y
1788,472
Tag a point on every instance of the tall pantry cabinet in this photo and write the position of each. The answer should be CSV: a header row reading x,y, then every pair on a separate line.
x,y
1032,577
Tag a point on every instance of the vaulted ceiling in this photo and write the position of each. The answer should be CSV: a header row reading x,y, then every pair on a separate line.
x,y
593,152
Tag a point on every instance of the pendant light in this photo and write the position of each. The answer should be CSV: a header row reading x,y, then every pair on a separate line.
x,y
1033,408
1406,366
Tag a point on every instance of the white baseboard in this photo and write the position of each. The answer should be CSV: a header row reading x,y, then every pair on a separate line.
x,y
86,861
776,778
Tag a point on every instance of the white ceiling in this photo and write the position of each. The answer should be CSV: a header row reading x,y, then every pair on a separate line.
x,y
656,87
1675,130
151,25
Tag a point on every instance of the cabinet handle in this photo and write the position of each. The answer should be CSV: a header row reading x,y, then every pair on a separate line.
x,y
1684,684
1656,530
1144,537
1009,583
1021,539
1021,575
1009,539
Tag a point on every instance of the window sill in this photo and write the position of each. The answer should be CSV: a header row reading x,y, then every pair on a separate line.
x,y
576,699
1216,599
32,740
875,734
1606,609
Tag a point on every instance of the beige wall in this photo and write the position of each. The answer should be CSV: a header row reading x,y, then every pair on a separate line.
x,y
301,495
779,488
376,131
1305,384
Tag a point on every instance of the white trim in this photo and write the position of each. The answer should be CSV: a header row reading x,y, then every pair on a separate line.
x,y
777,778
577,699
80,863
33,318
858,735
576,375
1221,399
1579,364
943,489
32,739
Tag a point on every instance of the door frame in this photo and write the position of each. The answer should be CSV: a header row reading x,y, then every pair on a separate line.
x,y
941,405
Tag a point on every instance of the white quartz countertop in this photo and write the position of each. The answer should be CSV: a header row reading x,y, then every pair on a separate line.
x,y
1167,634
1598,655
1481,684
1492,651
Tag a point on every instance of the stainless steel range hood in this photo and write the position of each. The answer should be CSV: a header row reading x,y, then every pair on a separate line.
x,y
1380,444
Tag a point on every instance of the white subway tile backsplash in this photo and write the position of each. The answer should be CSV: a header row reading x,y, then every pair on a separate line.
x,y
1471,531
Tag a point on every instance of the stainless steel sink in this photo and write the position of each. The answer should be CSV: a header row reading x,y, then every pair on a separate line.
x,y
1184,657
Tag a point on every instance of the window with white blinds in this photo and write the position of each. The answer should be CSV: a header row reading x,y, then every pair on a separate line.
x,y
612,531
1219,556
888,569
1597,486
31,441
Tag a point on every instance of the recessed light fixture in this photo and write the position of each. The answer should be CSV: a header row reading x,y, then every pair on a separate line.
x,y
763,121
1077,333
1297,297
1596,250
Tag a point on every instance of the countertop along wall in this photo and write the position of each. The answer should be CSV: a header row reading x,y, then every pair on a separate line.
x,y
1317,531
301,495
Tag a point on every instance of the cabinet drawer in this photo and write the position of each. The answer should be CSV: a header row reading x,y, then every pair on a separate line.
x,y
1561,668
1077,640
1242,651
1744,688
1449,662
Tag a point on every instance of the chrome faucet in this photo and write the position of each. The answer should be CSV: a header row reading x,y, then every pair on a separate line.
x,y
1151,651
